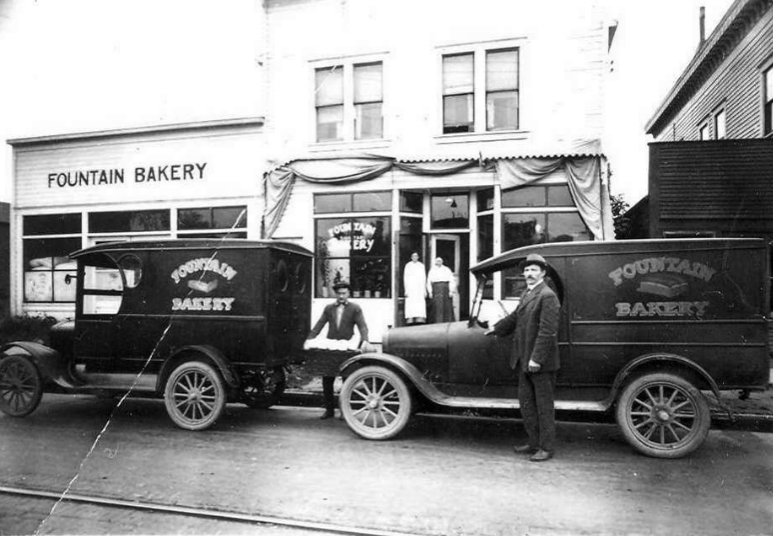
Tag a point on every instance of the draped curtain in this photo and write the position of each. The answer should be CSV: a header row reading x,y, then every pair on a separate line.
x,y
588,192
279,182
584,177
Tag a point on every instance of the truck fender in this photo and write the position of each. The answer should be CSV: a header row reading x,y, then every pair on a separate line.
x,y
48,360
409,371
210,351
637,363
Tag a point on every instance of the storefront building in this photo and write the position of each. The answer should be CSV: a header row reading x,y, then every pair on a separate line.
x,y
434,128
363,226
442,132
77,190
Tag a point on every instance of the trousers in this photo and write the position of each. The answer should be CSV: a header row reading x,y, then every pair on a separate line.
x,y
535,394
327,392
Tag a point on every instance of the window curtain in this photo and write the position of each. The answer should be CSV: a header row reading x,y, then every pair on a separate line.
x,y
584,176
279,182
589,193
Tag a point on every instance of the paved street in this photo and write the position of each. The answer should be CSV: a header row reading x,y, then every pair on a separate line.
x,y
444,476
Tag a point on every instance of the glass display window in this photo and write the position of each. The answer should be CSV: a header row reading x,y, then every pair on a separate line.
x,y
356,250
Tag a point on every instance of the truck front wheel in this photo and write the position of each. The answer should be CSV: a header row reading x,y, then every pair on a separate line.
x,y
375,402
194,395
663,415
21,386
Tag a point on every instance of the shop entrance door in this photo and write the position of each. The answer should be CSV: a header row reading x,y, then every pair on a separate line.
x,y
449,247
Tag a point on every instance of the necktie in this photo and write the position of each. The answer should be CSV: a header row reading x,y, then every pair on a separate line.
x,y
339,314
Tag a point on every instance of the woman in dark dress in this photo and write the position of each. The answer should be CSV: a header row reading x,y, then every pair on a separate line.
x,y
440,286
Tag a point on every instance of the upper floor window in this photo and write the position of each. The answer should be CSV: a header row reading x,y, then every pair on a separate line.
x,y
349,102
704,132
720,125
458,92
768,110
498,71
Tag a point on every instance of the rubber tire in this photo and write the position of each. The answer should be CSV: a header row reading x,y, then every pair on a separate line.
x,y
271,398
20,369
684,391
353,405
200,374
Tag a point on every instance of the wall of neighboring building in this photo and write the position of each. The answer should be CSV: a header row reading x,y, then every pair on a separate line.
x,y
563,63
711,188
5,260
735,86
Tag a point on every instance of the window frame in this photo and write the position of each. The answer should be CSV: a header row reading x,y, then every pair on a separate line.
x,y
544,211
85,238
766,72
348,215
349,116
721,111
69,272
704,127
480,52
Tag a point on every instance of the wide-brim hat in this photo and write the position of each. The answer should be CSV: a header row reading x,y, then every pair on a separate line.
x,y
533,258
341,285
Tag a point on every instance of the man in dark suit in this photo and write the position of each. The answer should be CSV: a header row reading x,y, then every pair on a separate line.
x,y
535,353
340,316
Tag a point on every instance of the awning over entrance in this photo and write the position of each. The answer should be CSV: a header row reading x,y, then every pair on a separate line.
x,y
581,162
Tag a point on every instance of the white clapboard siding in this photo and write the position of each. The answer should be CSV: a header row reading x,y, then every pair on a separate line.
x,y
233,166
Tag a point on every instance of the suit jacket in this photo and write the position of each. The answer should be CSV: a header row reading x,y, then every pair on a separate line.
x,y
535,323
352,316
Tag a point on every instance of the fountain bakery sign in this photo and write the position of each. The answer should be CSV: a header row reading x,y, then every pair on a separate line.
x,y
82,178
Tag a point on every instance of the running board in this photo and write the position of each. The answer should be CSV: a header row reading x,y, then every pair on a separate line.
x,y
509,403
90,381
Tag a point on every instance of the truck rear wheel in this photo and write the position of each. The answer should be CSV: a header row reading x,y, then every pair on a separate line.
x,y
663,415
21,386
194,395
264,388
375,402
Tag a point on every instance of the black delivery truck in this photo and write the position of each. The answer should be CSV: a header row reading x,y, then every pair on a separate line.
x,y
200,322
648,329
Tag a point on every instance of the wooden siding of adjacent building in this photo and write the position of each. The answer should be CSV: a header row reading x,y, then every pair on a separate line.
x,y
722,187
5,261
736,86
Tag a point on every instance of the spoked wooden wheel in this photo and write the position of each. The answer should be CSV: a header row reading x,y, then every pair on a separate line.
x,y
21,386
375,402
264,388
194,396
663,415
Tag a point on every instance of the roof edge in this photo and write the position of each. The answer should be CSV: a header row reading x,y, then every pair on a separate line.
x,y
137,131
706,51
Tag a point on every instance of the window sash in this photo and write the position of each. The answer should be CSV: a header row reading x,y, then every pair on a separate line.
x,y
458,74
330,123
368,83
502,70
368,121
720,125
458,113
502,110
329,86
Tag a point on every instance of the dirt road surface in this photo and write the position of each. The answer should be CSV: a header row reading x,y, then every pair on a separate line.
x,y
441,477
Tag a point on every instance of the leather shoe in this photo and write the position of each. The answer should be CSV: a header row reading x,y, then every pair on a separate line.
x,y
329,414
524,449
541,456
